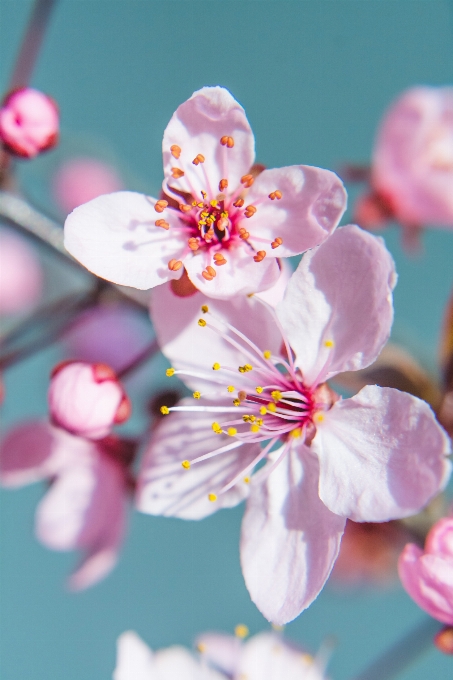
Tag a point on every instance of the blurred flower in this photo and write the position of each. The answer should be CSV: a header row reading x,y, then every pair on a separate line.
x,y
89,477
79,180
412,167
328,459
265,656
87,399
369,553
205,226
428,575
20,274
29,122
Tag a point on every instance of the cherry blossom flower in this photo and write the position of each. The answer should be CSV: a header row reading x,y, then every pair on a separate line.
x,y
79,180
87,466
265,656
217,222
377,456
427,574
412,166
20,274
29,122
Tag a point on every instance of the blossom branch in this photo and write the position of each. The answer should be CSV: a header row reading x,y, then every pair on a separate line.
x,y
402,654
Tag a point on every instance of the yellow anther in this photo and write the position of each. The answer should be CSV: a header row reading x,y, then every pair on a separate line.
x,y
263,410
241,631
254,428
212,497
169,372
267,354
216,427
205,309
276,395
214,203
259,389
201,647
186,464
175,151
216,366
164,410
241,369
246,418
236,402
318,417
247,480
296,433
230,388
329,343
278,627
259,421
204,194
248,367
232,431
201,322
271,407
197,395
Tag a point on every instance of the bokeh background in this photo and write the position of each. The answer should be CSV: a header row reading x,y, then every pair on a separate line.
x,y
314,77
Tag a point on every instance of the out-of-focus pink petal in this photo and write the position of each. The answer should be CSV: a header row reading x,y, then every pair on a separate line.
x,y
177,663
413,156
20,274
134,659
79,180
337,310
429,581
116,238
27,454
312,204
197,127
266,655
186,344
289,539
440,539
382,455
221,651
83,404
29,122
241,275
166,488
272,296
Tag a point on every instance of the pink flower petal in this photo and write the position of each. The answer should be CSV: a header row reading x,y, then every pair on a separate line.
x,y
177,663
166,488
221,651
341,294
20,274
241,275
440,538
197,127
115,237
312,204
266,655
134,660
27,454
272,296
429,581
413,156
382,455
289,539
186,344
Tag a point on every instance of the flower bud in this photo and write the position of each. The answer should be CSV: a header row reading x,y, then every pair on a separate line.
x,y
29,122
87,399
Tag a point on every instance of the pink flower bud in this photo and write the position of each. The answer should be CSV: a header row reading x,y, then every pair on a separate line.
x,y
20,274
87,399
79,180
29,122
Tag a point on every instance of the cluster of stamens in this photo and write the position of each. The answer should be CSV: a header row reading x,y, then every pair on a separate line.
x,y
213,223
276,412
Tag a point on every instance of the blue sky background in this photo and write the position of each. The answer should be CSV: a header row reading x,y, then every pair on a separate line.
x,y
314,77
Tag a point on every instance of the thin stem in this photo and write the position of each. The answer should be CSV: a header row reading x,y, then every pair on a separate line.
x,y
402,654
138,360
31,43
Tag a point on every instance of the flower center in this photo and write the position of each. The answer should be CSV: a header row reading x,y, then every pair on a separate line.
x,y
270,402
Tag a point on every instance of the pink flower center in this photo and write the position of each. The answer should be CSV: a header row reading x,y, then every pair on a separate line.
x,y
270,402
215,221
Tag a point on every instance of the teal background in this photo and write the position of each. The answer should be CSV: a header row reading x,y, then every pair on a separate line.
x,y
314,77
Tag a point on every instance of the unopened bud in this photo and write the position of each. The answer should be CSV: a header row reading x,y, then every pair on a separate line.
x,y
29,122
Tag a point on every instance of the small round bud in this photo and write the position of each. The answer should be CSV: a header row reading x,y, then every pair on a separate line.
x,y
29,122
87,399
444,640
